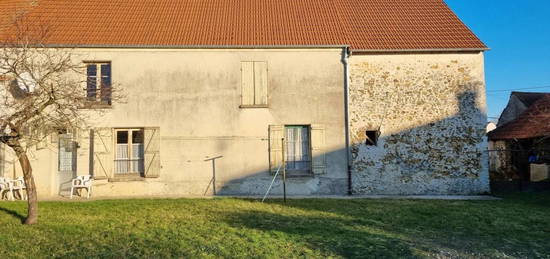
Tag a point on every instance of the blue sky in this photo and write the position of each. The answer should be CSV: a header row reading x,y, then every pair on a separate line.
x,y
518,33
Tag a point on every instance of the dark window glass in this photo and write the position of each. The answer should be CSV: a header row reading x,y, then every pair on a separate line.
x,y
137,137
91,82
105,93
91,70
122,137
106,83
106,70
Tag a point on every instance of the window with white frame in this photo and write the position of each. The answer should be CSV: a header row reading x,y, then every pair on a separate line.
x,y
253,84
297,148
129,153
98,82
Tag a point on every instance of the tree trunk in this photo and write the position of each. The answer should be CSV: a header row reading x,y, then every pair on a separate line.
x,y
32,199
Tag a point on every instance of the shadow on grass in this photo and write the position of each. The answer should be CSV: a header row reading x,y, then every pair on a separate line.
x,y
329,234
13,213
515,226
541,199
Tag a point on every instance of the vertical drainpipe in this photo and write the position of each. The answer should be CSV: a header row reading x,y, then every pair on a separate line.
x,y
345,61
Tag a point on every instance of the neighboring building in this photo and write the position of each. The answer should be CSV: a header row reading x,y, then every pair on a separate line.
x,y
402,80
517,104
521,142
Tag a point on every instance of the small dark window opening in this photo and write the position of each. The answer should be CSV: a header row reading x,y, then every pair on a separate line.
x,y
371,137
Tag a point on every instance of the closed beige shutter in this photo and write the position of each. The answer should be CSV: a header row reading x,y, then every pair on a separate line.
x,y
260,83
152,152
275,147
318,160
247,77
103,152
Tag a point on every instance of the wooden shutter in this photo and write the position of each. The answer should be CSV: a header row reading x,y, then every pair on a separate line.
x,y
247,88
275,147
318,160
260,83
152,152
103,152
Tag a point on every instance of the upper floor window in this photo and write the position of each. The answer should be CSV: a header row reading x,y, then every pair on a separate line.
x,y
254,84
98,83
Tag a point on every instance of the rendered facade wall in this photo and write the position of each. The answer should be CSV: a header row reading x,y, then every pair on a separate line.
x,y
429,108
193,97
431,113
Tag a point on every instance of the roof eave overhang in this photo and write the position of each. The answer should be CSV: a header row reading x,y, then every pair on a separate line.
x,y
148,46
367,51
358,51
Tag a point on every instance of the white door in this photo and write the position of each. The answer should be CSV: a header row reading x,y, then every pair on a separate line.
x,y
66,163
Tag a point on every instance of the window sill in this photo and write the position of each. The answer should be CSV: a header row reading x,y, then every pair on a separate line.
x,y
298,174
127,178
253,106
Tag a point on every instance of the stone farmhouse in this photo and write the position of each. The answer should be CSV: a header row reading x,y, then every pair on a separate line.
x,y
355,96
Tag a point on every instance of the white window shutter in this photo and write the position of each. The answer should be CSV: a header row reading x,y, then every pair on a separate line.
x,y
247,86
318,159
103,152
275,147
260,83
152,152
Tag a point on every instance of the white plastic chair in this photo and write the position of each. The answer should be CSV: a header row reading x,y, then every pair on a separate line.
x,y
82,182
5,189
18,185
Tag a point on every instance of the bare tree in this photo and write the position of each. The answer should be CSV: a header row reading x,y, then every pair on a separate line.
x,y
42,93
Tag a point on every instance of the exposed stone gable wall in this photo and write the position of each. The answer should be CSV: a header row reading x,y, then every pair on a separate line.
x,y
431,113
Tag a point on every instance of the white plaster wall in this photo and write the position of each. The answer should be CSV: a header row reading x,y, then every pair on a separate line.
x,y
44,163
193,95
431,112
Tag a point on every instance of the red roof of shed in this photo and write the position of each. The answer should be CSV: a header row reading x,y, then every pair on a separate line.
x,y
362,24
533,122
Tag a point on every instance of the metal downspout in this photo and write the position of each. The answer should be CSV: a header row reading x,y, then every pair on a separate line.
x,y
345,61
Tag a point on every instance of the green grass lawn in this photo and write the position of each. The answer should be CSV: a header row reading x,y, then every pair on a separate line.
x,y
518,226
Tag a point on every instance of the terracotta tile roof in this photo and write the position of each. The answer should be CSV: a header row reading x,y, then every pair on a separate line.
x,y
362,24
533,122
